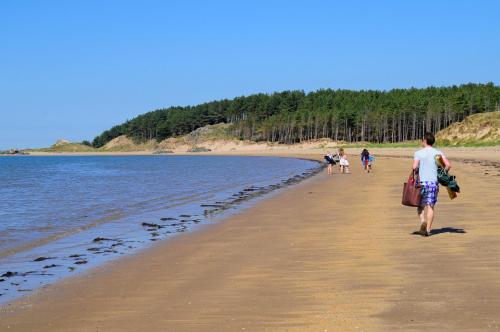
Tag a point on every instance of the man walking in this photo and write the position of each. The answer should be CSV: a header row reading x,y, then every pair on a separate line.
x,y
424,163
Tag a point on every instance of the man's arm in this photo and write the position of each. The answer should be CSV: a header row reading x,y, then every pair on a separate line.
x,y
416,162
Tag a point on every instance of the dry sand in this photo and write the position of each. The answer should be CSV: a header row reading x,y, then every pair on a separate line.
x,y
334,253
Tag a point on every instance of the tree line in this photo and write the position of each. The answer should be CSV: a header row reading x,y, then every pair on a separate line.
x,y
295,116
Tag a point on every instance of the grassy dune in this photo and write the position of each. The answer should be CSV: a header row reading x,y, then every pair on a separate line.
x,y
481,129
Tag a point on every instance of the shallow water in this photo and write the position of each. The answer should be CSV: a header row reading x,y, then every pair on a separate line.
x,y
61,215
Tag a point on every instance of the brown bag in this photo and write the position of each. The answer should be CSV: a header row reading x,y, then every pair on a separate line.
x,y
412,191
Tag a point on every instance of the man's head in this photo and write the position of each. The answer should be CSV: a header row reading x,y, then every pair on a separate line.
x,y
429,139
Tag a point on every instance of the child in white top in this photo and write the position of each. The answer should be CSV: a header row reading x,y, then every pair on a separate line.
x,y
344,163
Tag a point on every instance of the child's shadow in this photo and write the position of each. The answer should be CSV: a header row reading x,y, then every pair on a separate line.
x,y
443,230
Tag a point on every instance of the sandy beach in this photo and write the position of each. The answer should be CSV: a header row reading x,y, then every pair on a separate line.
x,y
333,253
167,166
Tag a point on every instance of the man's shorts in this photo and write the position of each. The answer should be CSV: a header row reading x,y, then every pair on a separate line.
x,y
430,192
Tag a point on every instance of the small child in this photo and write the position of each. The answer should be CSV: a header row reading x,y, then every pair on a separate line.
x,y
365,160
371,159
344,163
329,159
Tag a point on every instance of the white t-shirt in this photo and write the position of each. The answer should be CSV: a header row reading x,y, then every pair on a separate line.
x,y
427,168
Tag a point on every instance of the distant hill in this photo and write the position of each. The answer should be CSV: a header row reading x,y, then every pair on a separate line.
x,y
209,133
474,129
63,145
392,116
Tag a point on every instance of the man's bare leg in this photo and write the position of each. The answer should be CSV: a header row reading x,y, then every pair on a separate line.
x,y
421,216
430,217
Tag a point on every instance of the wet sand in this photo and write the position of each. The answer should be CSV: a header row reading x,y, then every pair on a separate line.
x,y
333,253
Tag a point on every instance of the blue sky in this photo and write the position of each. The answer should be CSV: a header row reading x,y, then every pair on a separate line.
x,y
71,69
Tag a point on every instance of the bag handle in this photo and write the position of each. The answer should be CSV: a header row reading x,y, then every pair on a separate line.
x,y
412,179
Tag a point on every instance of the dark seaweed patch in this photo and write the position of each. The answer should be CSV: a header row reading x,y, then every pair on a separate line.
x,y
40,259
10,274
151,225
101,239
50,266
76,255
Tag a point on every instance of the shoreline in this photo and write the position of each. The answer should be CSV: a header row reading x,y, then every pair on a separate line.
x,y
45,249
314,150
299,177
299,286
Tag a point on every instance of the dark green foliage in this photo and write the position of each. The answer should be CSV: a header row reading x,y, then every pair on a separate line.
x,y
293,116
87,143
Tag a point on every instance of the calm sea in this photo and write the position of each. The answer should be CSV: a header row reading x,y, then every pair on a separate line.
x,y
61,215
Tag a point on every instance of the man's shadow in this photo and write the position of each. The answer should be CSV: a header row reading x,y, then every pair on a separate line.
x,y
443,230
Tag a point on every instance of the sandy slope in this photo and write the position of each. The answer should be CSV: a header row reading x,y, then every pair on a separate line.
x,y
334,253
481,127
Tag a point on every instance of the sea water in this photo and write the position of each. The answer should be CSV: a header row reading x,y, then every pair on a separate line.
x,y
63,214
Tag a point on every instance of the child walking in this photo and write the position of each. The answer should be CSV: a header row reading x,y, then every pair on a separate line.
x,y
330,161
344,163
366,160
